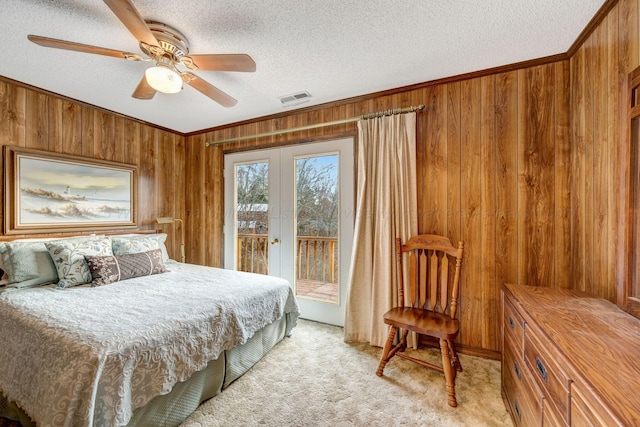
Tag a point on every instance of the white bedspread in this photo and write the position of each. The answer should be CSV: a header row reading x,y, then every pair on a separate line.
x,y
90,356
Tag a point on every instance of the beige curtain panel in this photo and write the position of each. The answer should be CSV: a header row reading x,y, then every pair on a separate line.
x,y
386,208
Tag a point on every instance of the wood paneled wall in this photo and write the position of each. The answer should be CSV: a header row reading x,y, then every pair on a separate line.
x,y
597,71
32,119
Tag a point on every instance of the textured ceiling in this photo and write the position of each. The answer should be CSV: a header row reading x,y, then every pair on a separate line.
x,y
334,49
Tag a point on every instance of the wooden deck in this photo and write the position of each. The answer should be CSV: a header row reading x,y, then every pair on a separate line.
x,y
317,290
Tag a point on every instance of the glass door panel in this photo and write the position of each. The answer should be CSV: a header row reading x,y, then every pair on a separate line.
x,y
252,193
252,219
317,228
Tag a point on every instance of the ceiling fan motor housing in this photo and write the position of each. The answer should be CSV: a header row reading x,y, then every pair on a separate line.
x,y
173,44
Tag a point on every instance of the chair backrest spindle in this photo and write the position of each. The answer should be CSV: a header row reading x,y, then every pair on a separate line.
x,y
412,278
423,279
444,281
433,282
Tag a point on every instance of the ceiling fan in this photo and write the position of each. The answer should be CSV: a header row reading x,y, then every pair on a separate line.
x,y
169,49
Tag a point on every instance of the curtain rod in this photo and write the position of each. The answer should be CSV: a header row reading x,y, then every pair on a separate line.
x,y
321,125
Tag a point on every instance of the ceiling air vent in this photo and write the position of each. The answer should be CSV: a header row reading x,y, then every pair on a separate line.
x,y
294,99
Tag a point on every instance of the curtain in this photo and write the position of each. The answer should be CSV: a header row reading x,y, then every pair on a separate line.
x,y
386,208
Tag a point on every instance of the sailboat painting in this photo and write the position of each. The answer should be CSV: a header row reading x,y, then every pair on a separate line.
x,y
59,192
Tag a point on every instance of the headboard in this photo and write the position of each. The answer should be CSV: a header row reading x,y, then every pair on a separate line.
x,y
9,238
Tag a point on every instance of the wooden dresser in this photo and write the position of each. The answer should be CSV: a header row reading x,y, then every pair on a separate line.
x,y
569,359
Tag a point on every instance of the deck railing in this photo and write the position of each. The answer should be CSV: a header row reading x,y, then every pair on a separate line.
x,y
316,256
253,253
317,259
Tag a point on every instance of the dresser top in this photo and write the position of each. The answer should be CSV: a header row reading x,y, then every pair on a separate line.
x,y
600,341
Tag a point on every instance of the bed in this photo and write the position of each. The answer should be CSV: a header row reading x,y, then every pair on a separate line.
x,y
145,350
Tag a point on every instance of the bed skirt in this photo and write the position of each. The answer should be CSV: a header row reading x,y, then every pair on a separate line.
x,y
172,409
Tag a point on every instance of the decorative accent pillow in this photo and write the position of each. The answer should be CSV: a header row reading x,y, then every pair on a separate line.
x,y
134,244
68,257
109,269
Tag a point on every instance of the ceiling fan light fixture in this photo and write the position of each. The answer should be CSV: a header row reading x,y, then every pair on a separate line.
x,y
163,79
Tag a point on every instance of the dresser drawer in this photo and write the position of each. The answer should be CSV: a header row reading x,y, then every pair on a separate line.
x,y
587,411
522,392
550,417
524,413
513,325
553,382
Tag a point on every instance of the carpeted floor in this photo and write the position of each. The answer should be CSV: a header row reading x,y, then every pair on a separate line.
x,y
315,379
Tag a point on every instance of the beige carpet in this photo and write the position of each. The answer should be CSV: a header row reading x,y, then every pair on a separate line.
x,y
315,379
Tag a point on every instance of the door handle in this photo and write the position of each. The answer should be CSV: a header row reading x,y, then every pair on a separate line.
x,y
275,241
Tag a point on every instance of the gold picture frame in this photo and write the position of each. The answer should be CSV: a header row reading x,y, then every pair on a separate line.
x,y
51,192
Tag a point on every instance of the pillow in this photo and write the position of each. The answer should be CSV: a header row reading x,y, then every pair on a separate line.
x,y
28,261
109,269
68,257
137,243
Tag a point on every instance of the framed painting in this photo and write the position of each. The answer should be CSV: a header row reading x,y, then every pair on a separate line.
x,y
46,191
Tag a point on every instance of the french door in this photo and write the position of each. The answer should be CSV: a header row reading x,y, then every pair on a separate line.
x,y
289,213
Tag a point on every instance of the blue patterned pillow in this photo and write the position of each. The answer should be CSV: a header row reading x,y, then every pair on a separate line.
x,y
68,257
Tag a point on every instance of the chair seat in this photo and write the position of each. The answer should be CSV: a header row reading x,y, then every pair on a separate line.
x,y
423,322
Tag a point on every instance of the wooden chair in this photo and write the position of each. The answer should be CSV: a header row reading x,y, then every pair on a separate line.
x,y
434,278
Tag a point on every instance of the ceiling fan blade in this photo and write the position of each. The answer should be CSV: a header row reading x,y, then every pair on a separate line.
x,y
209,90
79,47
214,62
127,13
144,90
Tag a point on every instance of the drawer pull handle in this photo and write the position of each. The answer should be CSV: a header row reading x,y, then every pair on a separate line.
x,y
517,369
541,370
517,409
512,323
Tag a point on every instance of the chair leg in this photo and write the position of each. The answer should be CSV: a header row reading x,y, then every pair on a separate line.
x,y
454,357
385,352
449,373
402,344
